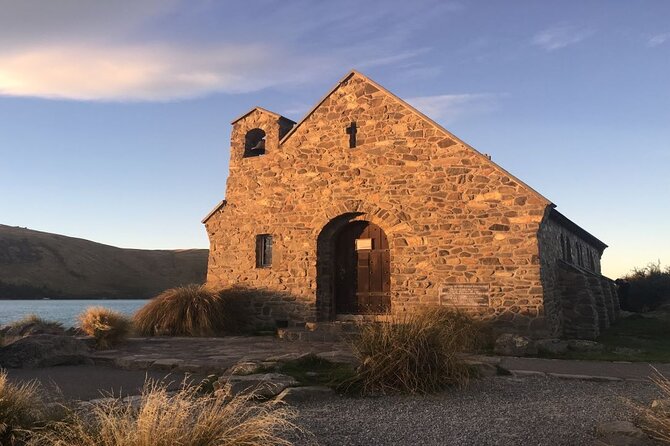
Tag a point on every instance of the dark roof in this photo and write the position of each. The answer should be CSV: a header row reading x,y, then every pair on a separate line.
x,y
574,227
261,109
221,204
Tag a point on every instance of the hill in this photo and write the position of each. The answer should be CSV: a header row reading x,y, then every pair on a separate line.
x,y
39,264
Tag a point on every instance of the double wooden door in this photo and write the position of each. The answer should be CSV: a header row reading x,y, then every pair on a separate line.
x,y
362,270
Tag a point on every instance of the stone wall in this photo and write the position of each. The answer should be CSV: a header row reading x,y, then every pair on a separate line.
x,y
452,217
579,301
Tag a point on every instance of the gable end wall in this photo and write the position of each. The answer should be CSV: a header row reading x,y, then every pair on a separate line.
x,y
451,217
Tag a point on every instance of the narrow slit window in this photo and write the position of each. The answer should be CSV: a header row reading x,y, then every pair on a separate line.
x,y
351,131
263,251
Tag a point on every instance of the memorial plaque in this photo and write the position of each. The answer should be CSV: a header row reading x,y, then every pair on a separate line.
x,y
465,295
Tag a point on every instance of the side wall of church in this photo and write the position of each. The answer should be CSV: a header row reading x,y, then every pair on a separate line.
x,y
579,301
462,232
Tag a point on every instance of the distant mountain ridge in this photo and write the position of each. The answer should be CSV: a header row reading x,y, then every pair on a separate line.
x,y
36,264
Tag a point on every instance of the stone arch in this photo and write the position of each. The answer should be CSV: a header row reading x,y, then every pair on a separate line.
x,y
325,241
254,143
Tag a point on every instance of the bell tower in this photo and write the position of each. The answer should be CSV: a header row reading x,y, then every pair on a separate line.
x,y
256,134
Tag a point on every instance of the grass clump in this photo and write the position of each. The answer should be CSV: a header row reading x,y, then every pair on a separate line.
x,y
21,410
418,352
191,310
33,324
655,421
185,418
108,327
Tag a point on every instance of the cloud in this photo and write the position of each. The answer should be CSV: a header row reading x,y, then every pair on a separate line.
x,y
161,50
450,107
149,72
658,39
560,36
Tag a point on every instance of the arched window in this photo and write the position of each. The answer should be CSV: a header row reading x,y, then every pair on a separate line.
x,y
254,143
563,250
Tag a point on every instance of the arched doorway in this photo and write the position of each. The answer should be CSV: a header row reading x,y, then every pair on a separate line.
x,y
362,269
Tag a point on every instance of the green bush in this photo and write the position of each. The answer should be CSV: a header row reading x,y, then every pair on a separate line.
x,y
418,352
645,288
192,310
108,327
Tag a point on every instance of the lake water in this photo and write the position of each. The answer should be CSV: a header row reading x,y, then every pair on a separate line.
x,y
63,311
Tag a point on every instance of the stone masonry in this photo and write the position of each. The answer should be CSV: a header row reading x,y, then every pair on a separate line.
x,y
461,230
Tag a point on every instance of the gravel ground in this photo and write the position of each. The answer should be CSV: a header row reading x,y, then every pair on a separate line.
x,y
496,411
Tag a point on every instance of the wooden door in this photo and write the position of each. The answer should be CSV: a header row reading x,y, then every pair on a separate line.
x,y
363,270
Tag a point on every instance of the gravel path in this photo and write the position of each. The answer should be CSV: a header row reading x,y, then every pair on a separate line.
x,y
496,411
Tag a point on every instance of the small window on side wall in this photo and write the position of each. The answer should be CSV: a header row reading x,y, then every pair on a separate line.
x,y
263,251
254,143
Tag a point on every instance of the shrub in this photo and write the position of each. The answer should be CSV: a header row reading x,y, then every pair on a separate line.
x,y
185,418
192,310
655,421
21,409
108,327
417,352
33,324
645,288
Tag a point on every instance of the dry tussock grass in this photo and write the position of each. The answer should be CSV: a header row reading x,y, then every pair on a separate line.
x,y
33,324
21,410
417,352
656,422
108,327
191,310
185,419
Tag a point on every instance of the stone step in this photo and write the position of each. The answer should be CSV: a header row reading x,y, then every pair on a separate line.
x,y
319,332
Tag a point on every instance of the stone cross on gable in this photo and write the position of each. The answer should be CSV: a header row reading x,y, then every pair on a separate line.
x,y
351,131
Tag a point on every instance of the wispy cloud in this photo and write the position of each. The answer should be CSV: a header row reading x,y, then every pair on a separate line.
x,y
450,107
82,50
560,36
148,72
658,39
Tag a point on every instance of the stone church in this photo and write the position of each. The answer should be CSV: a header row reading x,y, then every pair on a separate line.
x,y
368,207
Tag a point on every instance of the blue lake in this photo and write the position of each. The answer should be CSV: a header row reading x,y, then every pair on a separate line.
x,y
63,311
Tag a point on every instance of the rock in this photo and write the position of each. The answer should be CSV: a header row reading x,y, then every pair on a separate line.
x,y
482,369
514,345
337,356
622,433
166,364
75,331
294,395
582,345
288,357
246,368
553,346
265,385
661,406
44,351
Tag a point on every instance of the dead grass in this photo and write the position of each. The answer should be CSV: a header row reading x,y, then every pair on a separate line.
x,y
21,410
33,324
192,310
108,327
656,421
185,418
415,353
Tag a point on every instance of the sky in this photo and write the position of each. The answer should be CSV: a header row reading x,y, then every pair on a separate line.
x,y
115,116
